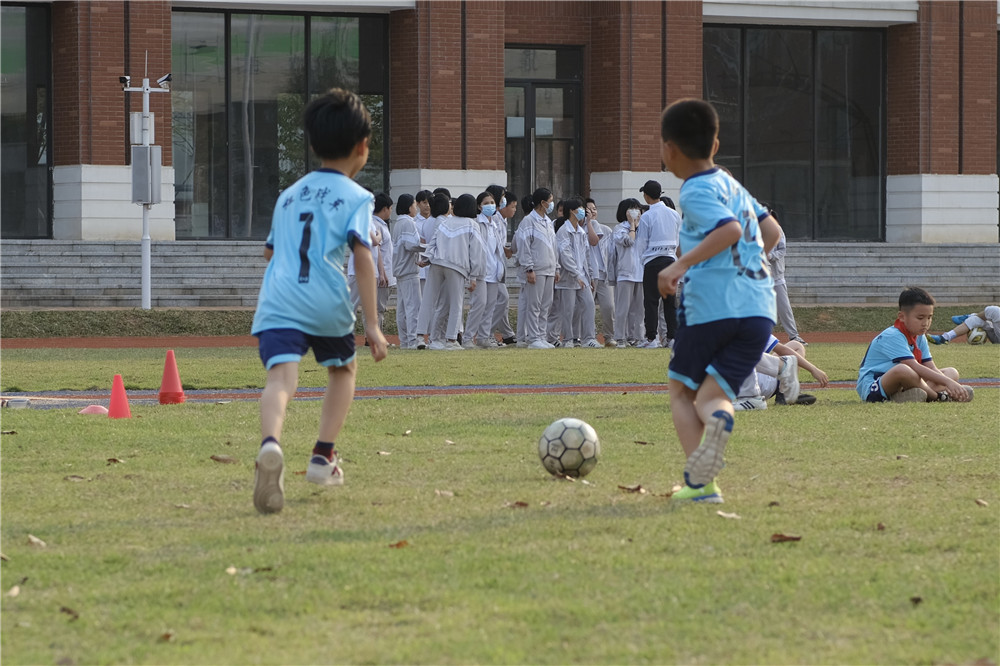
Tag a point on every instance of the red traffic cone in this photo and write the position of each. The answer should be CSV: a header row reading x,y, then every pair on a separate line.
x,y
171,392
119,408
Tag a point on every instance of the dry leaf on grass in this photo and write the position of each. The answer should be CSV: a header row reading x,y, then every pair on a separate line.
x,y
74,477
384,453
916,600
73,615
400,544
901,456
231,571
8,432
14,591
182,506
225,460
114,461
166,637
444,493
35,541
638,489
982,502
781,538
772,503
448,441
516,505
731,516
4,558
407,433
642,443
880,527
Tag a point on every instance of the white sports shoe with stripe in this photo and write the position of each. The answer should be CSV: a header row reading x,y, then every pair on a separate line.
x,y
269,479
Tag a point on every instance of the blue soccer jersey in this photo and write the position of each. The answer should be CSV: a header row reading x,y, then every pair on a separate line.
x,y
887,349
735,283
304,286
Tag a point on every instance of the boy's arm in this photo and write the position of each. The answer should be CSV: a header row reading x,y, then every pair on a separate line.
x,y
784,350
720,239
770,232
364,272
929,372
268,253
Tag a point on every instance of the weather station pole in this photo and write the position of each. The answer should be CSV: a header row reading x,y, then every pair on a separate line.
x,y
146,169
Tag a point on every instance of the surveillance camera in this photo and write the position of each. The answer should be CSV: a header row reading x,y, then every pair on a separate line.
x,y
124,80
164,79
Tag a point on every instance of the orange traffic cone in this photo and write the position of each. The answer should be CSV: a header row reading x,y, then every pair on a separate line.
x,y
171,392
119,408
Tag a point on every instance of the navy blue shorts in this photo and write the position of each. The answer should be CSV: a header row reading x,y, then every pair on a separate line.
x,y
727,349
289,345
875,391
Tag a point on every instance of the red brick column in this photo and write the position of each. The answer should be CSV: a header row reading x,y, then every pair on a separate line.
x,y
942,90
90,123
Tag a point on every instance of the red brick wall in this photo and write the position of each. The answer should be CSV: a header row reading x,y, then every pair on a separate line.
x,y
979,87
934,104
90,124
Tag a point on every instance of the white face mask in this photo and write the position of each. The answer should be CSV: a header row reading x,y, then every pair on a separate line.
x,y
552,207
580,214
503,202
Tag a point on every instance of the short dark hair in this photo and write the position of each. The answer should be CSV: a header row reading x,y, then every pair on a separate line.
x,y
668,202
497,191
912,296
424,195
692,125
403,204
511,197
440,203
624,206
465,206
588,200
335,123
540,195
483,195
382,200
570,205
442,190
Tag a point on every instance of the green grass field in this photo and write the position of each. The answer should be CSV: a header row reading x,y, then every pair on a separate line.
x,y
449,544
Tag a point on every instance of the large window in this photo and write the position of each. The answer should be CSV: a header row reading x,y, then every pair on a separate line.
x,y
24,122
802,115
241,82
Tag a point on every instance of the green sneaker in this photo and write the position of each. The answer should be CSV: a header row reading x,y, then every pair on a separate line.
x,y
708,459
708,494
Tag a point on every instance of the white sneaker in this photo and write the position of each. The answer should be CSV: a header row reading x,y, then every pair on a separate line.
x,y
592,344
540,344
788,378
610,343
437,345
798,338
748,404
269,479
453,346
324,472
709,458
569,344
521,344
649,344
622,344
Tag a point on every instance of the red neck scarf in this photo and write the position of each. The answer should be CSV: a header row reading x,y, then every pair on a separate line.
x,y
910,340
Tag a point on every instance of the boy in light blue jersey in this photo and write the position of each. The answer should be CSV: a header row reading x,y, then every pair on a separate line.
x,y
898,366
304,300
727,306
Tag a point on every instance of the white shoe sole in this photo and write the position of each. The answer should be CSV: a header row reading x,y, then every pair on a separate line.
x,y
269,480
709,458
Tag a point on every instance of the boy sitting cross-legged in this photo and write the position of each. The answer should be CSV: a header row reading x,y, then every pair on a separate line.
x,y
898,364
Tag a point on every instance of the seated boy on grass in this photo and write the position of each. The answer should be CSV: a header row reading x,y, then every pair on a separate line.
x,y
898,364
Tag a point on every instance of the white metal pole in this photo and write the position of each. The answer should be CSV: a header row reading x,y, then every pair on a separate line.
x,y
147,301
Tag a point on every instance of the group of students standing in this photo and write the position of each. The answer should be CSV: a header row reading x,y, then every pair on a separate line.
x,y
442,252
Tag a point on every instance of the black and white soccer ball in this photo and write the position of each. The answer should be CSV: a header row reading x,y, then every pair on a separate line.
x,y
569,447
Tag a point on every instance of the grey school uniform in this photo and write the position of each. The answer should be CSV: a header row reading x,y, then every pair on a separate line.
x,y
536,253
406,250
456,255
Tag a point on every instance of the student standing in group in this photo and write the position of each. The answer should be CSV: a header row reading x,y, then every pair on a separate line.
x,y
536,256
501,311
727,306
656,240
431,294
423,199
386,280
482,300
628,282
405,254
574,288
304,301
599,240
455,254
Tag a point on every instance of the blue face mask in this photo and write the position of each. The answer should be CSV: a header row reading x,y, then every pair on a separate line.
x,y
552,207
489,209
503,202
580,214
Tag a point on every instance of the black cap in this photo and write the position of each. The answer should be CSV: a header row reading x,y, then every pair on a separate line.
x,y
651,189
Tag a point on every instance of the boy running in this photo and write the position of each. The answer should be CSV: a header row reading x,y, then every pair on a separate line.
x,y
304,300
727,307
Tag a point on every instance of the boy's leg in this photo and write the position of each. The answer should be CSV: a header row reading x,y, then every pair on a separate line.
x,y
715,411
901,378
269,468
586,311
688,425
337,401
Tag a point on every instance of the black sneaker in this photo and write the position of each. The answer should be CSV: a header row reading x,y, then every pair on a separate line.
x,y
803,399
510,341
